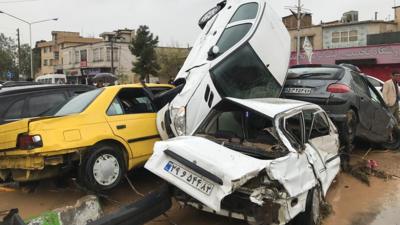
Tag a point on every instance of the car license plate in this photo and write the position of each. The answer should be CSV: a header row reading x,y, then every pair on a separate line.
x,y
184,174
305,91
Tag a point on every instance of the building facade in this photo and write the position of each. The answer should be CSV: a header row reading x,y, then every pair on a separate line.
x,y
372,45
51,60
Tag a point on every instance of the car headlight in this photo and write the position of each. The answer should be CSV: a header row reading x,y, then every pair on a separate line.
x,y
179,115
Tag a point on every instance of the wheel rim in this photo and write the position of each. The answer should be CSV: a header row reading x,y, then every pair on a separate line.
x,y
106,169
315,207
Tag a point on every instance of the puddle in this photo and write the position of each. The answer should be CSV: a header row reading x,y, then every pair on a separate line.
x,y
354,203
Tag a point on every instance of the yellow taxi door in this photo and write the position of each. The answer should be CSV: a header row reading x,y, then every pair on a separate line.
x,y
131,116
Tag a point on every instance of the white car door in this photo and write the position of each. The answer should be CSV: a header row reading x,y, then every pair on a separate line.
x,y
322,146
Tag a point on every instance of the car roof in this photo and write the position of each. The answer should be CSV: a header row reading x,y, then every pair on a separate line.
x,y
21,89
139,85
270,106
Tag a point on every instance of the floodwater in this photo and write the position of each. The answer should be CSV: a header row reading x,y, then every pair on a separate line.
x,y
353,202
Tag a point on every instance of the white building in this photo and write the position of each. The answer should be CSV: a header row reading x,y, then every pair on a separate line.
x,y
82,62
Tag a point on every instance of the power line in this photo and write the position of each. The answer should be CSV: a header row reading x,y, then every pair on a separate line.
x,y
18,1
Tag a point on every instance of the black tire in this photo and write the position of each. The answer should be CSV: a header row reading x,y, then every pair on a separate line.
x,y
102,169
394,144
347,134
313,209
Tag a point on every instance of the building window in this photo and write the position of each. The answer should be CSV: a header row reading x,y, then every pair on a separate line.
x,y
45,62
56,55
115,53
45,50
353,36
335,37
84,55
77,58
344,37
96,55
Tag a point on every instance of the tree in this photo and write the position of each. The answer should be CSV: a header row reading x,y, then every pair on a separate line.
x,y
25,60
171,61
143,47
7,56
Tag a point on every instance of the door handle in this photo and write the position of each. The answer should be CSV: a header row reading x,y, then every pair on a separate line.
x,y
120,127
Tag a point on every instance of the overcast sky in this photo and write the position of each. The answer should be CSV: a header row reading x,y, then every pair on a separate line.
x,y
174,21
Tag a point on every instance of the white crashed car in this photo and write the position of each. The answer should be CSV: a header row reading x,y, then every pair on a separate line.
x,y
243,52
266,161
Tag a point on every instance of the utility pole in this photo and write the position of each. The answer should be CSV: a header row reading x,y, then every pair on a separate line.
x,y
112,54
19,55
299,16
298,12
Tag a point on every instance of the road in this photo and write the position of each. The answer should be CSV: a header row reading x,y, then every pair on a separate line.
x,y
353,202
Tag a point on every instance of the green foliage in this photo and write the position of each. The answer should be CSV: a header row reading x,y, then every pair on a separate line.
x,y
7,56
171,61
143,47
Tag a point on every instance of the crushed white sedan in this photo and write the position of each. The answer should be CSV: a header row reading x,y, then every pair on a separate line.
x,y
266,161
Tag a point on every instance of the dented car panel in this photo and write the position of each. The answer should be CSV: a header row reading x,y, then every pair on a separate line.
x,y
254,159
238,39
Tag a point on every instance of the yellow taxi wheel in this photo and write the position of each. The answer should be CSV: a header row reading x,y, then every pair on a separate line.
x,y
103,168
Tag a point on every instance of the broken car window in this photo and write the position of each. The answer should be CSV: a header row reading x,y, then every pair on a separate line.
x,y
320,126
294,129
134,101
245,12
244,131
242,75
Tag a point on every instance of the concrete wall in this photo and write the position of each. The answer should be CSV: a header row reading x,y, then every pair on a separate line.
x,y
315,32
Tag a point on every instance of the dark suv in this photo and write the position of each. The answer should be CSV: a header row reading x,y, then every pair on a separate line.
x,y
23,100
349,98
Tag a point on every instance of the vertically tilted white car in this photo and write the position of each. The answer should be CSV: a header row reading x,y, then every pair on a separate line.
x,y
266,161
242,52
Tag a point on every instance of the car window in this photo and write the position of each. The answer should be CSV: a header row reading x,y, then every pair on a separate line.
x,y
243,75
228,125
131,101
320,126
232,35
245,12
294,130
374,82
115,108
358,84
15,111
374,96
79,103
42,103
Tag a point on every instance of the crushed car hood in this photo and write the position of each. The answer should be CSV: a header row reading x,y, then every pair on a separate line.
x,y
228,168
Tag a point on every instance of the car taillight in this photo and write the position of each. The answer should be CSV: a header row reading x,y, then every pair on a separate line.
x,y
338,88
28,142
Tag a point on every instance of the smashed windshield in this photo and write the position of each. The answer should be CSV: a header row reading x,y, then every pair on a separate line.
x,y
243,75
79,103
242,130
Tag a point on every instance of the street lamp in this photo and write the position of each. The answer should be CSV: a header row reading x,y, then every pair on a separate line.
x,y
30,33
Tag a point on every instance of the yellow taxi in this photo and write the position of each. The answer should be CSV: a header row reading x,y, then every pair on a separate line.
x,y
101,134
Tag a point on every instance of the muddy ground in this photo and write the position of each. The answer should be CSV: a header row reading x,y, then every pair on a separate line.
x,y
353,202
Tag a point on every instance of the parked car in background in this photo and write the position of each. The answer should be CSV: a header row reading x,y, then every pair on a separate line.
x,y
52,79
378,84
101,133
266,161
27,99
231,58
350,100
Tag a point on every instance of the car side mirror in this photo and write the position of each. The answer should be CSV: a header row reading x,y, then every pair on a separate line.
x,y
213,52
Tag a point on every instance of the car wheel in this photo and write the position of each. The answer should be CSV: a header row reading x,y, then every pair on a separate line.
x,y
394,144
313,209
102,169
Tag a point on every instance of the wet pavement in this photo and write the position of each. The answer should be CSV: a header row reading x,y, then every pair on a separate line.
x,y
353,202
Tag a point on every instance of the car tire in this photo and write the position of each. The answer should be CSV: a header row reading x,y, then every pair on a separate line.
x,y
313,209
395,144
102,169
348,133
